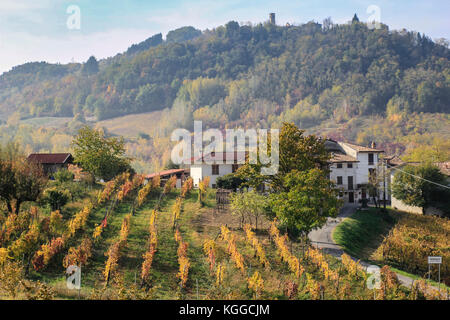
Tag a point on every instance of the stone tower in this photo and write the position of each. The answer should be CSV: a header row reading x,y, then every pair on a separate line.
x,y
272,18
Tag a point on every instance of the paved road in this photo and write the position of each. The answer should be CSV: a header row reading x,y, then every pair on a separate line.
x,y
322,238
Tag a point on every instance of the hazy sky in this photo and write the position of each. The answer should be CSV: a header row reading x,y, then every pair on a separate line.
x,y
36,30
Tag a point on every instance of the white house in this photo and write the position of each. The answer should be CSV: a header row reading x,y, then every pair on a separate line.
x,y
350,166
214,165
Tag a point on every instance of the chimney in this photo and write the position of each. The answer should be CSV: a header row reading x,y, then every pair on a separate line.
x,y
272,18
373,145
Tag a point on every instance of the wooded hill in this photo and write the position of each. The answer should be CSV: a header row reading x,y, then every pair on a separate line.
x,y
345,81
317,70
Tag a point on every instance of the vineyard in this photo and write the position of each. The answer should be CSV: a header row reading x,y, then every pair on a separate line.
x,y
413,239
137,240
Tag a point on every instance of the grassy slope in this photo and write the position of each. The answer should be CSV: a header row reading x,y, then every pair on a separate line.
x,y
360,234
132,125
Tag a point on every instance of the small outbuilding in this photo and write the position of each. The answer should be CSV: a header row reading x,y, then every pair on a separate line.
x,y
51,162
181,174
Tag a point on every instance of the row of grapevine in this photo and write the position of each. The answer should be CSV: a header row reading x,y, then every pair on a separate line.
x,y
43,256
111,187
183,260
255,282
115,250
152,245
209,248
202,188
149,255
123,186
318,259
232,250
283,250
257,246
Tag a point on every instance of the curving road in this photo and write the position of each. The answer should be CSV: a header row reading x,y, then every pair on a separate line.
x,y
323,239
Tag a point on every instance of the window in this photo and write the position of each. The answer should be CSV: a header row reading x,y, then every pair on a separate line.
x,y
339,180
350,182
339,165
349,165
370,158
215,169
214,185
234,168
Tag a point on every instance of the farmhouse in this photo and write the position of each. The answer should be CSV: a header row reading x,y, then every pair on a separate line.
x,y
350,168
350,165
215,165
51,162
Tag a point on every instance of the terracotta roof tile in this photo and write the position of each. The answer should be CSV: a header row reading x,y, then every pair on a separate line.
x,y
167,172
339,157
361,148
221,157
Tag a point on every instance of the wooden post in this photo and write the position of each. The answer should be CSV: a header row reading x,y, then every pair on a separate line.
x,y
196,280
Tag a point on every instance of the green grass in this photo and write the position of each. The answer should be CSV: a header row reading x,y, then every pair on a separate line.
x,y
416,277
360,234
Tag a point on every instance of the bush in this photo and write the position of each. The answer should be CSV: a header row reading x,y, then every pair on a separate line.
x,y
230,181
63,175
56,198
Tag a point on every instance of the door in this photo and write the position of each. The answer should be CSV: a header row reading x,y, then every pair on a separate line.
x,y
350,183
351,197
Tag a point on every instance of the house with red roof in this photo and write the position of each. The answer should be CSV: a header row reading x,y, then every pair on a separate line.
x,y
51,162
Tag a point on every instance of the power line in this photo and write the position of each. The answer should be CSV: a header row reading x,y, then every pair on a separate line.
x,y
418,177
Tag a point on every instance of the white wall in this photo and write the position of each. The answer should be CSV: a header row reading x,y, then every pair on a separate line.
x,y
363,166
196,173
399,205
200,171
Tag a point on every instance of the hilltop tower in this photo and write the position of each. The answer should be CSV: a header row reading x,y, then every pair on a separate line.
x,y
272,18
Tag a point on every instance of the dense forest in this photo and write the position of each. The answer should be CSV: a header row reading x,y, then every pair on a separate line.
x,y
253,75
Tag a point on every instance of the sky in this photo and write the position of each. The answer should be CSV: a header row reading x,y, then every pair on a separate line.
x,y
61,31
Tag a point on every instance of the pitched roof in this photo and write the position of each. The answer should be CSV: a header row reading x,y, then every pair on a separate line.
x,y
166,173
394,160
50,158
361,148
339,157
221,157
